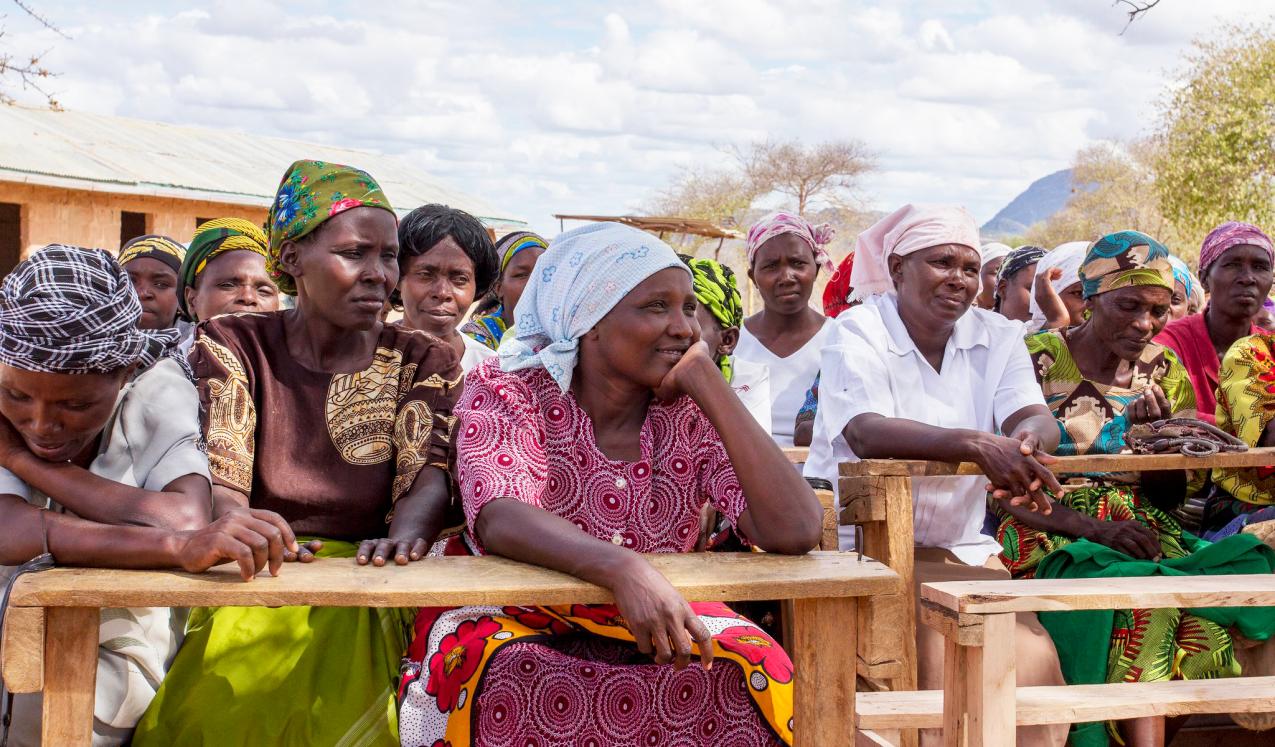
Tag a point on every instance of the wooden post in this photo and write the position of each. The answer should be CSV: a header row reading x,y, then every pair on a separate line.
x,y
70,675
978,687
824,667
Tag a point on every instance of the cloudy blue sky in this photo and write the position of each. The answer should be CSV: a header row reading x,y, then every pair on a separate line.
x,y
593,106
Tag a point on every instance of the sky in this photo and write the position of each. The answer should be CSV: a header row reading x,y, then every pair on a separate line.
x,y
592,107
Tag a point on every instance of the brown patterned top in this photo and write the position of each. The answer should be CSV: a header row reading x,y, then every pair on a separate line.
x,y
331,453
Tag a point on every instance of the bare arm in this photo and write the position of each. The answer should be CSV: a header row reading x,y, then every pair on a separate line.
x,y
418,518
1051,305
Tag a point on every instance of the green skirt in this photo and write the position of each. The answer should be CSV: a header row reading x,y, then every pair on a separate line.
x,y
302,676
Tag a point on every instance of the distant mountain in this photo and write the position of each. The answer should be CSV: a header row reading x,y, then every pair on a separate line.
x,y
1042,199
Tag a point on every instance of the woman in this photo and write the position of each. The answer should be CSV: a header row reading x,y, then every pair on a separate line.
x,y
341,425
1014,283
1099,379
1057,298
785,253
153,264
101,468
1245,407
1235,268
1188,296
600,433
446,261
720,314
224,271
994,255
886,391
494,315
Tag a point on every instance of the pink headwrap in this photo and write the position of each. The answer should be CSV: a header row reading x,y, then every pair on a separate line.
x,y
1227,235
909,229
780,223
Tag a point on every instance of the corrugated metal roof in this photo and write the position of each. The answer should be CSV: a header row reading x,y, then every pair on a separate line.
x,y
131,156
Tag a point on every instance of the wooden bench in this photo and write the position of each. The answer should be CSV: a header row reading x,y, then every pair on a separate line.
x,y
51,632
979,704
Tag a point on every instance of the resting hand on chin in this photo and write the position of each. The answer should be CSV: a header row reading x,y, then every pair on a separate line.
x,y
696,362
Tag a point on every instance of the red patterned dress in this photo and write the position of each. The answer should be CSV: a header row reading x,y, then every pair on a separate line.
x,y
571,675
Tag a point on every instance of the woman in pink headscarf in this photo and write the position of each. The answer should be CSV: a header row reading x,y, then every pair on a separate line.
x,y
785,254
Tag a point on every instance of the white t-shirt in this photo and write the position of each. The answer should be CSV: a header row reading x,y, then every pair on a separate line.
x,y
475,353
751,383
790,378
872,365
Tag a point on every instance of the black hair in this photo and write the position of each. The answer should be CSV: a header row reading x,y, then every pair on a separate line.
x,y
420,230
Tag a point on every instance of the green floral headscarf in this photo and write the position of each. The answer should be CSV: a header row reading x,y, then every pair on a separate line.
x,y
715,287
310,193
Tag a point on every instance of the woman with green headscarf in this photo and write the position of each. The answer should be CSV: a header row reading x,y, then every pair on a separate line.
x,y
340,424
224,271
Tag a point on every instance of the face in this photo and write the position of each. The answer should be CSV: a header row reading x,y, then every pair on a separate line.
x,y
720,340
1073,298
936,285
784,270
1016,293
346,269
59,416
438,288
1239,280
648,331
1125,320
987,277
232,282
156,286
514,278
1178,302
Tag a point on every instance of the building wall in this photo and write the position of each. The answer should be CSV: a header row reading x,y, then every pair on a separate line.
x,y
83,218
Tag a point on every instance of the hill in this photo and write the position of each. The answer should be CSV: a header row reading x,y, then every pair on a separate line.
x,y
1042,199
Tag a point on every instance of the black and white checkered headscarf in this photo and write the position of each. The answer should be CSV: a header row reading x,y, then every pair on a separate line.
x,y
70,310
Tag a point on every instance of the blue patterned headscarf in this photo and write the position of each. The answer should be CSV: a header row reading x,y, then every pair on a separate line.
x,y
1125,259
1190,285
582,276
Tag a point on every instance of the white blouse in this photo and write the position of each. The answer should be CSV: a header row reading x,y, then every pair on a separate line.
x,y
790,377
873,366
475,353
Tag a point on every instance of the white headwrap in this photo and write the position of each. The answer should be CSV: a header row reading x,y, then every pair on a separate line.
x,y
582,276
909,229
995,250
1066,257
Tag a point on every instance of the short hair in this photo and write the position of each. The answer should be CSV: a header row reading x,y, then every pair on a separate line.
x,y
422,229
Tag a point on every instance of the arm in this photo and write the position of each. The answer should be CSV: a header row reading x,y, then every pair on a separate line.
x,y
1129,537
1055,311
783,514
418,519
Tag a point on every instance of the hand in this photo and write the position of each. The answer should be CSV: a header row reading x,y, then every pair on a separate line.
x,y
294,552
661,621
707,523
253,538
696,362
11,443
1016,468
1129,537
403,551
1149,406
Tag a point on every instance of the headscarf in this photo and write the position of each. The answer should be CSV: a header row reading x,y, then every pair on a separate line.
x,y
309,194
1066,257
74,311
154,246
584,274
1125,259
511,244
909,229
836,294
1190,284
995,251
1230,234
716,289
1022,257
779,223
211,240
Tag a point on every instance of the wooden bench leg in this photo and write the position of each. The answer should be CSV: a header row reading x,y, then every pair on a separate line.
x,y
824,662
70,675
978,687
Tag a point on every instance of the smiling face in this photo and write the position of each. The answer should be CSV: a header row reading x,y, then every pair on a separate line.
x,y
346,269
784,270
1126,319
232,282
1239,280
438,288
59,416
156,286
936,285
646,334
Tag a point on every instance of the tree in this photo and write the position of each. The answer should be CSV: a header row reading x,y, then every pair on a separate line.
x,y
26,71
828,172
1216,140
1136,9
719,196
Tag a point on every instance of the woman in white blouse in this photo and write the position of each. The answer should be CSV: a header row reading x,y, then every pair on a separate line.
x,y
916,373
785,253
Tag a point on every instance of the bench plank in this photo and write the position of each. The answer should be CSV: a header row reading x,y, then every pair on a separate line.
x,y
1058,595
22,650
454,581
883,711
1259,457
70,675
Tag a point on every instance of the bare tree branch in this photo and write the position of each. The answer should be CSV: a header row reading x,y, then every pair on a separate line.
x,y
29,72
1136,10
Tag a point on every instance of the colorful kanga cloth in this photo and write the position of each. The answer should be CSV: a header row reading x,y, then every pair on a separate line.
x,y
1125,259
1188,337
715,289
288,676
572,670
1245,406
